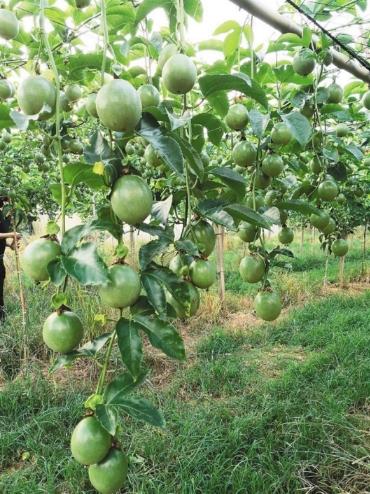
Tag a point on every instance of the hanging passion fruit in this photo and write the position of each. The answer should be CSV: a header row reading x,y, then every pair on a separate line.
x,y
149,96
281,134
90,442
304,62
166,53
320,220
6,89
248,232
335,93
179,74
202,273
237,117
131,199
328,190
273,165
252,269
330,228
36,257
9,25
119,106
36,96
90,105
244,154
62,332
73,92
339,247
123,288
203,235
286,235
188,307
109,476
268,305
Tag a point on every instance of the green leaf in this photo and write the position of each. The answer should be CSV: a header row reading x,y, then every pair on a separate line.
x,y
162,335
214,210
194,8
354,151
227,26
191,155
219,102
161,210
299,126
84,264
155,292
59,299
56,272
151,250
166,147
213,125
141,409
231,178
231,43
107,417
210,84
298,205
79,62
98,148
76,173
121,386
240,212
147,6
130,345
259,122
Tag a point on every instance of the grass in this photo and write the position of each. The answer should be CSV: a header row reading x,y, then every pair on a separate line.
x,y
268,409
273,410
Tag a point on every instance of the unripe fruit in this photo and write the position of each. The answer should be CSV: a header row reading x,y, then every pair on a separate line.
x,y
268,305
90,105
366,100
330,228
62,332
34,93
248,232
308,110
76,146
131,199
256,203
328,190
237,117
149,95
64,103
286,235
73,92
9,25
272,197
202,273
262,181
316,165
118,106
36,257
342,130
203,235
341,199
151,157
281,134
6,89
192,302
244,154
109,476
320,221
335,93
252,269
304,62
90,442
179,74
122,289
339,247
273,165
166,53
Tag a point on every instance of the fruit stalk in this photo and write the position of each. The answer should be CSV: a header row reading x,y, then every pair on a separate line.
x,y
104,370
43,4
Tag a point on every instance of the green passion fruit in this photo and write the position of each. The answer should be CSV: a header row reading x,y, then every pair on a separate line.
x,y
252,269
123,288
203,235
255,202
268,305
328,190
73,92
131,199
316,165
341,198
180,263
281,135
9,25
330,228
188,307
149,96
64,103
179,74
109,476
62,332
342,130
273,165
152,157
286,235
202,273
304,62
366,100
244,154
320,220
119,106
248,232
90,442
6,89
339,247
166,53
36,257
335,93
36,95
272,197
237,117
262,181
90,105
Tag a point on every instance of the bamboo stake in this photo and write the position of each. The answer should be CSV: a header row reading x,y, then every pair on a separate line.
x,y
220,262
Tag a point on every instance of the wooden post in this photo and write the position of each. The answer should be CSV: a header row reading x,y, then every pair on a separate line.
x,y
363,265
341,271
220,238
326,268
132,246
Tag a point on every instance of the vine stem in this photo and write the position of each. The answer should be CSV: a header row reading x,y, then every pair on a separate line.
x,y
43,4
104,26
104,370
